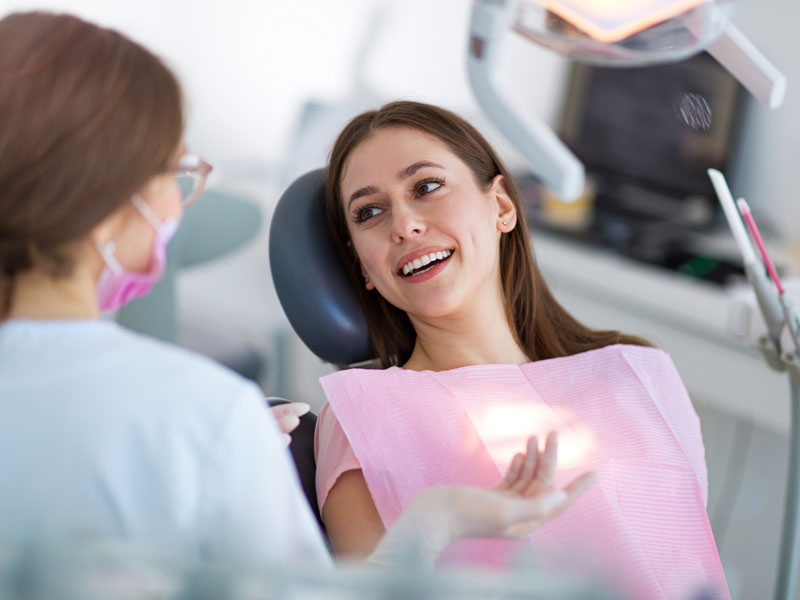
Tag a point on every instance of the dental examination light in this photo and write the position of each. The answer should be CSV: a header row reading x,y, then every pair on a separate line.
x,y
622,33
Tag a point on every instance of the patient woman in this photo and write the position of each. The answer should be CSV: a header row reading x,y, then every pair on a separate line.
x,y
476,352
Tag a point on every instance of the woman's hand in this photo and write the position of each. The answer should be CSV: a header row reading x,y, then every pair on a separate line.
x,y
526,498
522,501
288,417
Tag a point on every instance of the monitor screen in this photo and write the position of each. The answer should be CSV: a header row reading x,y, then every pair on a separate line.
x,y
658,127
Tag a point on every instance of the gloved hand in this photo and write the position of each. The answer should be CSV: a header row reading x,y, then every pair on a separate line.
x,y
288,417
525,499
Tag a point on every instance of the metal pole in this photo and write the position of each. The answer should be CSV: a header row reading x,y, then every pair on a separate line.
x,y
787,568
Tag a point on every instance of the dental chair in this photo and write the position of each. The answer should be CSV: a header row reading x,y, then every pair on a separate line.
x,y
311,282
316,296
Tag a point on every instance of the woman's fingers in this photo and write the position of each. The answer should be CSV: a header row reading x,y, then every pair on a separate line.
x,y
288,415
548,461
297,409
529,465
514,471
575,489
532,511
288,423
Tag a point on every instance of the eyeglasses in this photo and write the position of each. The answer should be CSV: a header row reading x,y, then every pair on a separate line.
x,y
191,174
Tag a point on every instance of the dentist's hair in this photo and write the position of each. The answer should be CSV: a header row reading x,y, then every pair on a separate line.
x,y
88,117
543,328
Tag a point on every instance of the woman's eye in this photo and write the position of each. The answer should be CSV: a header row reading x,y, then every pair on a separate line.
x,y
426,187
366,213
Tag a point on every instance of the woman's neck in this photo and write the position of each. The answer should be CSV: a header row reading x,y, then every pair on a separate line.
x,y
477,335
35,295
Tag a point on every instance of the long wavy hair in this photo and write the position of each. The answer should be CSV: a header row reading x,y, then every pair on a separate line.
x,y
542,327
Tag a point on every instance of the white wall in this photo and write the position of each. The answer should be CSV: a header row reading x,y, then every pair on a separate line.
x,y
248,66
769,162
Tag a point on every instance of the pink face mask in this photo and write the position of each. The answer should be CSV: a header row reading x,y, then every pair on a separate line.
x,y
118,286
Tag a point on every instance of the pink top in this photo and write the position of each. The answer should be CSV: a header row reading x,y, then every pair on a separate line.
x,y
332,452
622,410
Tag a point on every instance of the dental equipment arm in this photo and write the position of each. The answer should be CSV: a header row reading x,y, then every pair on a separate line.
x,y
546,154
776,314
747,64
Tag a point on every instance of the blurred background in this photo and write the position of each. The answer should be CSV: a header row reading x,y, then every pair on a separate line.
x,y
269,84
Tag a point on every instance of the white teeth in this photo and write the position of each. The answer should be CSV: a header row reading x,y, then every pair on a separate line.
x,y
425,260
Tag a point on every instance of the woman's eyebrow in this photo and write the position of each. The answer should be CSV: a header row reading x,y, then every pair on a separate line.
x,y
403,174
411,169
361,192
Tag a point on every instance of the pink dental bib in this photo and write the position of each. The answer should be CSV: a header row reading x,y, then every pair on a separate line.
x,y
621,410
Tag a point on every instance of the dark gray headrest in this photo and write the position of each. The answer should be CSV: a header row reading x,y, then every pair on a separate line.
x,y
311,282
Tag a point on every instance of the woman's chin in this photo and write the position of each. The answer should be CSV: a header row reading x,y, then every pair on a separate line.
x,y
428,311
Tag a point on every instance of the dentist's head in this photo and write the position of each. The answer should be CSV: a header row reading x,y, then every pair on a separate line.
x,y
89,148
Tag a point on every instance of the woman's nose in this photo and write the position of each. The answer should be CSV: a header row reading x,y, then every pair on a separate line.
x,y
406,223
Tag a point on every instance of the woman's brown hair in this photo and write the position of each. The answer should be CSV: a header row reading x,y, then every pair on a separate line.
x,y
88,117
543,328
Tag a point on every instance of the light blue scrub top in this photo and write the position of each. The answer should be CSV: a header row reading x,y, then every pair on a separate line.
x,y
107,434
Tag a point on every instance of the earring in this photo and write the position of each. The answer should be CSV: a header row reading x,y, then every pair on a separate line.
x,y
505,222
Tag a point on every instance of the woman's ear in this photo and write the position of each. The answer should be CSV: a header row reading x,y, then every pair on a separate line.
x,y
109,228
506,211
367,281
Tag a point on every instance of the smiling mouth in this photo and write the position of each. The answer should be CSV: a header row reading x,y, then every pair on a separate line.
x,y
424,263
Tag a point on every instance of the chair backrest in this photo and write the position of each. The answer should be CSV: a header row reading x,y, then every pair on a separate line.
x,y
312,285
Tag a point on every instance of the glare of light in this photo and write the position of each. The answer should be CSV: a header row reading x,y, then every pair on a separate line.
x,y
614,20
505,429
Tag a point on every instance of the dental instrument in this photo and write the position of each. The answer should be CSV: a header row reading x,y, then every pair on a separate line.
x,y
765,293
777,312
788,313
747,215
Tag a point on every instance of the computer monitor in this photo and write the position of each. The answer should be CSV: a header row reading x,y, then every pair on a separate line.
x,y
654,128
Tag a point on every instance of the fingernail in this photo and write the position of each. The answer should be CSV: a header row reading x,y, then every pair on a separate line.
x,y
300,408
287,439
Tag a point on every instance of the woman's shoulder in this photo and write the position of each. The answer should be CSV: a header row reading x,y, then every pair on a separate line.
x,y
157,355
126,379
614,358
626,350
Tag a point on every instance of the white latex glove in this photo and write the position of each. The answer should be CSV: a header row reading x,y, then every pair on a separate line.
x,y
288,417
525,499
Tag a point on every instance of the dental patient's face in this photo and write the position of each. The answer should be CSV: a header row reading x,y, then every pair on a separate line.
x,y
425,233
